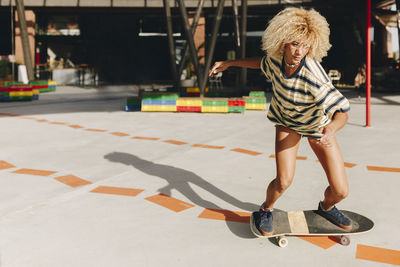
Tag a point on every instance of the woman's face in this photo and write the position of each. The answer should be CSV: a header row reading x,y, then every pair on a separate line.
x,y
295,51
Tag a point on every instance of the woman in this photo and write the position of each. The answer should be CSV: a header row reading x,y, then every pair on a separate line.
x,y
304,104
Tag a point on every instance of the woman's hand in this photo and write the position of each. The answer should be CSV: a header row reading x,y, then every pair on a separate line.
x,y
328,135
218,67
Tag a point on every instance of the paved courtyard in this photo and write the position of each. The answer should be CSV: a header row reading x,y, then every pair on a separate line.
x,y
84,183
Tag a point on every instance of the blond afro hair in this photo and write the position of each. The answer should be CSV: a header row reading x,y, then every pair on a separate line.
x,y
293,24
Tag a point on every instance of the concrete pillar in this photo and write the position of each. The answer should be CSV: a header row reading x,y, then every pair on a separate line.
x,y
30,22
199,36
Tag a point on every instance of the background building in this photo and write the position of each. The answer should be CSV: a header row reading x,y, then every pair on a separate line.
x,y
125,42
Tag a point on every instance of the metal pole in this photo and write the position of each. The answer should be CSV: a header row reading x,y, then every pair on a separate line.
x,y
243,71
210,52
171,43
12,42
189,39
398,22
236,18
25,39
368,69
194,25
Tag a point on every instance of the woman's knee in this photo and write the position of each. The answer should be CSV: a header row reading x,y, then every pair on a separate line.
x,y
283,182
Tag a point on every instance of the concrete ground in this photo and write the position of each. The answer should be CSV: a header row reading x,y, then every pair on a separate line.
x,y
84,183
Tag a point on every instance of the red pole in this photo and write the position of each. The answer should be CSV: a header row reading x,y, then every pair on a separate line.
x,y
368,69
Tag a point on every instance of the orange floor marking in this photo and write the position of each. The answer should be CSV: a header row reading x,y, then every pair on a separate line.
x,y
207,146
226,215
245,151
272,156
34,172
5,165
174,142
383,169
145,138
28,118
119,134
324,242
72,180
170,202
349,165
58,123
75,126
10,114
378,254
117,191
96,130
42,120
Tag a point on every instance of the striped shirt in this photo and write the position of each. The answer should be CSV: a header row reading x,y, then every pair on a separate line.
x,y
305,101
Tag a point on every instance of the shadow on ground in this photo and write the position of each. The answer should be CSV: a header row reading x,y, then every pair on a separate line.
x,y
181,180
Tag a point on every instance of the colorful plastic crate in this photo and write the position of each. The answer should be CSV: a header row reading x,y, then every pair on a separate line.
x,y
164,102
215,105
156,108
236,105
257,93
256,103
189,104
16,93
42,86
133,104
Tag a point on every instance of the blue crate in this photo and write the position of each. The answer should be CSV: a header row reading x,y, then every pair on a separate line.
x,y
159,102
133,108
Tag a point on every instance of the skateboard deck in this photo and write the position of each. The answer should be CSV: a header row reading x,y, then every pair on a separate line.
x,y
311,223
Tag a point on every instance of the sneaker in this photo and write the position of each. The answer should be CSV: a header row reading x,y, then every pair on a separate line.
x,y
335,216
263,222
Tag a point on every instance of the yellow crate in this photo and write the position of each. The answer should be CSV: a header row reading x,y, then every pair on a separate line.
x,y
189,102
195,90
36,92
256,106
215,109
27,93
52,83
160,108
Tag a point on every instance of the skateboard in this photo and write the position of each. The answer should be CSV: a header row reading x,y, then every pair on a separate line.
x,y
311,223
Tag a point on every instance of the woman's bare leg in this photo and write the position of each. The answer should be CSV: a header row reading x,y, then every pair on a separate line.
x,y
332,162
286,146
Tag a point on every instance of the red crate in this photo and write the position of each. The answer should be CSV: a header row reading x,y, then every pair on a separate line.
x,y
188,109
239,102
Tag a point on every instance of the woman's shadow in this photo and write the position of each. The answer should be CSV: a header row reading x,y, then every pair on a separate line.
x,y
180,180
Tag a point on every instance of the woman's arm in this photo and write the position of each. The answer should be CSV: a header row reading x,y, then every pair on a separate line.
x,y
252,63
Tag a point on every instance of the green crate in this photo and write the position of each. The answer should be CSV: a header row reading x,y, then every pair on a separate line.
x,y
21,98
215,102
13,83
160,96
133,101
236,109
41,83
256,100
257,93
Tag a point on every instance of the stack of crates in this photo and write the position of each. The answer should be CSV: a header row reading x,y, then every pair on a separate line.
x,y
159,102
256,101
215,105
42,86
52,86
237,105
133,104
19,92
189,104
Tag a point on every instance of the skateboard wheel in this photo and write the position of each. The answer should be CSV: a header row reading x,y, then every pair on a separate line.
x,y
344,240
282,241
